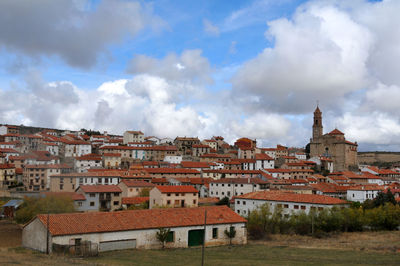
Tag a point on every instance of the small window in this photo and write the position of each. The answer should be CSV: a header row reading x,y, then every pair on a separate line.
x,y
194,194
215,233
176,194
61,187
286,206
303,207
171,236
80,203
194,201
92,195
116,203
168,202
238,202
296,206
92,203
168,194
116,194
244,202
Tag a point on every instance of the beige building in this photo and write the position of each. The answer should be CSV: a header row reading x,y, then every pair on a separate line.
x,y
7,175
333,145
111,160
133,188
174,196
37,177
133,136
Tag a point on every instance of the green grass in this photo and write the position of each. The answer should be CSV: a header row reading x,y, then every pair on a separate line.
x,y
246,255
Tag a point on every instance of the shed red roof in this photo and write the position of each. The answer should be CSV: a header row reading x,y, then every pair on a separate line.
x,y
97,222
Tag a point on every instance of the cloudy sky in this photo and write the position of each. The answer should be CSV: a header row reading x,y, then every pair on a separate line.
x,y
203,68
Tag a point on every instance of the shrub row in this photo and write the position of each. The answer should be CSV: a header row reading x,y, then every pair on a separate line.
x,y
262,221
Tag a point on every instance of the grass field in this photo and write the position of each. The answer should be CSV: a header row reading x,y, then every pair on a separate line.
x,y
367,248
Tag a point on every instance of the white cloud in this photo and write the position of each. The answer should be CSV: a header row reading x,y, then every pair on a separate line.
x,y
313,58
65,29
190,66
210,28
263,126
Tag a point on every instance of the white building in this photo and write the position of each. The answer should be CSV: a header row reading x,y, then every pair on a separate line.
x,y
363,192
289,202
87,161
230,187
176,159
264,161
136,229
76,148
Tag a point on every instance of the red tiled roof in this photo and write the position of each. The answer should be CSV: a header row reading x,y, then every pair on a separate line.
x,y
134,183
263,156
177,189
96,222
100,188
108,154
336,132
6,166
189,164
134,200
292,197
171,171
239,180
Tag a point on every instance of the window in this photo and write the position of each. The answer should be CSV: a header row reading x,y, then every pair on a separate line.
x,y
116,203
177,194
215,233
61,187
194,201
116,194
92,195
80,203
170,237
168,194
238,202
296,206
286,206
244,202
194,194
92,203
168,202
303,207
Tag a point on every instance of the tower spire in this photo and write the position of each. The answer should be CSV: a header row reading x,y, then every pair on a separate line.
x,y
317,126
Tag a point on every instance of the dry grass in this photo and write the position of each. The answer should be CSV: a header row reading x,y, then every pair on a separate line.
x,y
379,248
382,241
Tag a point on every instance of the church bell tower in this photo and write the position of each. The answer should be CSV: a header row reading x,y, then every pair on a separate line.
x,y
317,126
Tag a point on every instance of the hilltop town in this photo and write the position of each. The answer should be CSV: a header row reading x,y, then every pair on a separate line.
x,y
125,188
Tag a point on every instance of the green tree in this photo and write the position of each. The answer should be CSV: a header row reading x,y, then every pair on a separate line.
x,y
145,192
162,235
50,204
257,222
231,233
224,201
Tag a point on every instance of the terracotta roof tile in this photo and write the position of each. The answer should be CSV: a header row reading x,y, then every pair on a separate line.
x,y
96,222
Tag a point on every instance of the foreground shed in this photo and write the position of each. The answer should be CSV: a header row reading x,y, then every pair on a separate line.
x,y
135,229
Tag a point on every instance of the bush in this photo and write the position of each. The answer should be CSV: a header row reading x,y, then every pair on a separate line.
x,y
50,204
261,222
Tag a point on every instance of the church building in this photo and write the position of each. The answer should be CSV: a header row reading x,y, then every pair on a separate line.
x,y
332,145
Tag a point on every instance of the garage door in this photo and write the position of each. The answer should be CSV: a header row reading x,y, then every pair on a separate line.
x,y
195,237
116,245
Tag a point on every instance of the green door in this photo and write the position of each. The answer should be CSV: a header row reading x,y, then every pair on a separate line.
x,y
196,237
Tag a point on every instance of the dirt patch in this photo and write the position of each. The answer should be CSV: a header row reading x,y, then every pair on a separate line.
x,y
10,234
382,241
